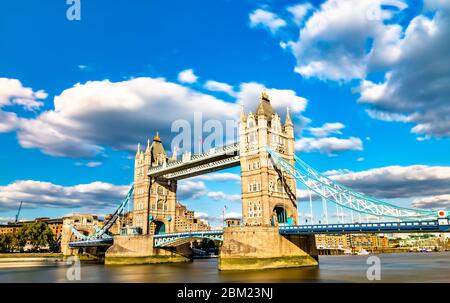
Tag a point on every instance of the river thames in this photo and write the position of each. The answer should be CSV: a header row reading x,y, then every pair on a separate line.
x,y
396,267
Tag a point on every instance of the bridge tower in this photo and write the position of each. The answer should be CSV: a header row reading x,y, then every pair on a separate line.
x,y
154,199
268,195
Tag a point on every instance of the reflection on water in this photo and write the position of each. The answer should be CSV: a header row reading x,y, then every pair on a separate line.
x,y
412,267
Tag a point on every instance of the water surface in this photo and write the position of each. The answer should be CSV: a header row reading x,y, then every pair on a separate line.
x,y
397,267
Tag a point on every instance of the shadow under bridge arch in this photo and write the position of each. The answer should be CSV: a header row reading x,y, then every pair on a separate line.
x,y
176,239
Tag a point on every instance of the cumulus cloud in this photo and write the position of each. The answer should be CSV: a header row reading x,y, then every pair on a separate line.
x,y
187,76
89,116
250,95
233,215
216,86
333,42
188,189
299,11
8,121
12,92
328,145
416,88
353,39
434,202
221,196
219,177
393,182
266,19
38,194
193,189
326,129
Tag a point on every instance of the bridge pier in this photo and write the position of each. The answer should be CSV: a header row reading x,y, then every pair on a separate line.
x,y
140,250
256,247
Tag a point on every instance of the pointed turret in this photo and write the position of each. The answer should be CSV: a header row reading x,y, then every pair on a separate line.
x,y
174,153
138,151
288,117
243,116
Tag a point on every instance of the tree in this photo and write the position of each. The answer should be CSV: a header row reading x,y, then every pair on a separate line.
x,y
37,234
6,242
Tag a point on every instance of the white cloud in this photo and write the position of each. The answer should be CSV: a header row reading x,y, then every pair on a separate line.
x,y
233,215
201,215
89,116
188,189
219,177
328,145
267,19
360,159
12,92
89,164
388,117
299,11
399,181
187,76
250,96
191,190
434,202
283,45
8,121
326,129
38,194
220,87
416,87
332,43
221,196
4,220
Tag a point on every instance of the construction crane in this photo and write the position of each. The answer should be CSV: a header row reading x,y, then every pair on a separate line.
x,y
18,212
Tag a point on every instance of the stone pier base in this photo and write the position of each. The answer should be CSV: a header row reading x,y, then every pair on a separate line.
x,y
140,250
254,247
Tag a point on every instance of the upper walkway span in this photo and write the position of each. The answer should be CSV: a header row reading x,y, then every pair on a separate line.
x,y
189,166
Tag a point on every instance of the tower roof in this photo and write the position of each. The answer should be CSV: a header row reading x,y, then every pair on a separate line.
x,y
157,148
264,107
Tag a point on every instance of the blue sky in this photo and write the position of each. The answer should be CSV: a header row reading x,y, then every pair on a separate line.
x,y
77,96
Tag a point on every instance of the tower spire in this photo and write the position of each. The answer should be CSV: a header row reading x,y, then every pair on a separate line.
x,y
157,138
243,116
264,96
288,117
138,151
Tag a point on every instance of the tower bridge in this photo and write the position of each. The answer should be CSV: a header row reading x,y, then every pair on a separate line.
x,y
270,236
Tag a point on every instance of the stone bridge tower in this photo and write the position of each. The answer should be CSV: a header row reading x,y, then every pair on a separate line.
x,y
154,199
268,194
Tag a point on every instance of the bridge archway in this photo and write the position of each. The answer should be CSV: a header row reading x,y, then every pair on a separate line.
x,y
158,227
279,215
